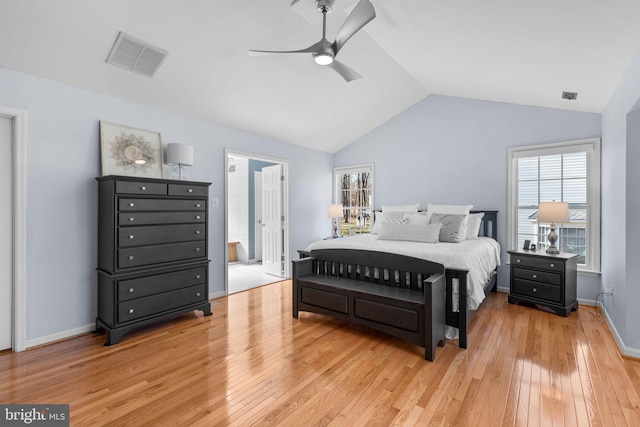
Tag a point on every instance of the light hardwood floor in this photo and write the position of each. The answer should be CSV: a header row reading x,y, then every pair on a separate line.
x,y
251,363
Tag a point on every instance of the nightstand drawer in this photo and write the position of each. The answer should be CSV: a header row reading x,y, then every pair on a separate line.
x,y
537,276
537,262
540,291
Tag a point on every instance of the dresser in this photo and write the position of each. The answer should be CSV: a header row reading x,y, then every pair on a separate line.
x,y
544,279
152,252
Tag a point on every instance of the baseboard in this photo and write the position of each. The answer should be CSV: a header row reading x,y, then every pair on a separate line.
x,y
588,302
503,290
626,351
218,294
60,336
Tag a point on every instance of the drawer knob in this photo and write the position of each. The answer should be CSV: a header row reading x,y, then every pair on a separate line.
x,y
197,294
132,204
197,216
197,231
552,265
143,188
518,260
130,290
535,289
197,276
189,190
197,249
130,236
535,276
197,205
130,257
131,219
130,310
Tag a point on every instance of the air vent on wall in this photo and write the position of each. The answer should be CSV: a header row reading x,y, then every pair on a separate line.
x,y
136,55
572,96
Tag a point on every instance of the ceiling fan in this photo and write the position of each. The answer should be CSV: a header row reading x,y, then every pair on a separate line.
x,y
324,52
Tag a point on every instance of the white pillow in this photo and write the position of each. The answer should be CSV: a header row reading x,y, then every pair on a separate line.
x,y
452,227
382,217
453,210
410,232
400,208
417,218
473,225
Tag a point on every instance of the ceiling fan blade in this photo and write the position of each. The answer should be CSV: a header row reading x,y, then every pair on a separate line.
x,y
347,73
360,16
294,2
314,48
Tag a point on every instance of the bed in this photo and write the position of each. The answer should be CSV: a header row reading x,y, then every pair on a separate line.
x,y
470,267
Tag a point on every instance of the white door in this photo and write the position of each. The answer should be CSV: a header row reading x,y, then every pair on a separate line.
x,y
257,208
272,221
6,227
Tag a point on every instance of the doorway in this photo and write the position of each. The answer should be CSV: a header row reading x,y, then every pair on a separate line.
x,y
256,220
12,229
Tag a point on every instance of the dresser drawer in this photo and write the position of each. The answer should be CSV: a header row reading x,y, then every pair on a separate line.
x,y
188,190
155,304
160,283
133,187
160,205
150,235
146,255
537,276
537,263
540,291
151,218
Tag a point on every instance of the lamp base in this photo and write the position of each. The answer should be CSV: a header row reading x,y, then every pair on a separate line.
x,y
179,173
553,250
552,238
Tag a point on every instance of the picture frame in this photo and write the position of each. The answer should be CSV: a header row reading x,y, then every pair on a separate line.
x,y
130,151
526,245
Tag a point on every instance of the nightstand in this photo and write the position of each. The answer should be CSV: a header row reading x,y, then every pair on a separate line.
x,y
544,279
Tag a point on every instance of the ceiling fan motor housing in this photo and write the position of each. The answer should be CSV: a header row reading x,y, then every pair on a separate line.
x,y
324,5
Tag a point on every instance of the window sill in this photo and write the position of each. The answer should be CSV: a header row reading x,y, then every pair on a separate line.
x,y
589,273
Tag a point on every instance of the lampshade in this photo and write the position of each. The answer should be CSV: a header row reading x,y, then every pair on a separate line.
x,y
181,154
334,211
553,212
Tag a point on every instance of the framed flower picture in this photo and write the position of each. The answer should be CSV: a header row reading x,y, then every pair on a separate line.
x,y
130,151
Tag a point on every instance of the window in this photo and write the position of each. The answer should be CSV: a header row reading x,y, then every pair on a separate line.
x,y
354,190
564,172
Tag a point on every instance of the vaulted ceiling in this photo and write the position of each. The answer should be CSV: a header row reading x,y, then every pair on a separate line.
x,y
524,52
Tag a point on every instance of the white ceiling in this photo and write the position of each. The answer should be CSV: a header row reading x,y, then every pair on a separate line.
x,y
517,51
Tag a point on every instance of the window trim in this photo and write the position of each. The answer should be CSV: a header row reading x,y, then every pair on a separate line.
x,y
592,147
341,170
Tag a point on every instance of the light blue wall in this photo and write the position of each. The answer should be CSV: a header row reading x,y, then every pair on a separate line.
x,y
620,201
448,150
63,157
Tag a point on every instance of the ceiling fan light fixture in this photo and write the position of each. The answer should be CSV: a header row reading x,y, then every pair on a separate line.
x,y
323,58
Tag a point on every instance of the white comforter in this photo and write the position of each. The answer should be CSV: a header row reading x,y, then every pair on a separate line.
x,y
480,256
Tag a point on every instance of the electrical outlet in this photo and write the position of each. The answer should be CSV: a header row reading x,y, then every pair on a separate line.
x,y
608,291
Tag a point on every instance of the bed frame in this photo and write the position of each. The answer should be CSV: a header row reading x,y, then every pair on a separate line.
x,y
463,317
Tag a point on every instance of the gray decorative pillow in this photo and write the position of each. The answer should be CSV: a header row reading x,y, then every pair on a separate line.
x,y
410,232
453,227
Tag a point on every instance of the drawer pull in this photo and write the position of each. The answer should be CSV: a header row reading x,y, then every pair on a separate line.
x,y
130,290
130,236
130,310
131,219
535,276
132,204
197,276
552,265
143,188
130,257
197,231
197,249
197,216
189,191
197,294
535,289
197,205
518,260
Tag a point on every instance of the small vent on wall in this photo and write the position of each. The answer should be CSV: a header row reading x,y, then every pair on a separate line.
x,y
572,96
135,55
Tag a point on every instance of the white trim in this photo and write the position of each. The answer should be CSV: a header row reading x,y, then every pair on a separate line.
x,y
19,165
71,333
285,201
626,351
593,147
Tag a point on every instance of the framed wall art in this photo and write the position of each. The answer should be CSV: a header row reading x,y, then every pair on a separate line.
x,y
130,151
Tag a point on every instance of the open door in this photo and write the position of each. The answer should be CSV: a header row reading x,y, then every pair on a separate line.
x,y
272,221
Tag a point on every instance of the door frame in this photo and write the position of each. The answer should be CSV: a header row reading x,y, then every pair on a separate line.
x,y
19,213
285,208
